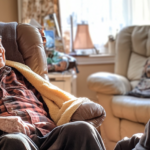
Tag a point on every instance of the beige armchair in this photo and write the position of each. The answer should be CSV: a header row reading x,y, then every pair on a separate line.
x,y
125,115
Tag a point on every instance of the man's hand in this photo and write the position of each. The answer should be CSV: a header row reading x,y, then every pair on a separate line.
x,y
12,124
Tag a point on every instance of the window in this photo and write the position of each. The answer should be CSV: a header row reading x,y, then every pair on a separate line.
x,y
104,17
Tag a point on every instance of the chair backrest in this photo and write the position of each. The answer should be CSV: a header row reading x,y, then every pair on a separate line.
x,y
132,51
30,44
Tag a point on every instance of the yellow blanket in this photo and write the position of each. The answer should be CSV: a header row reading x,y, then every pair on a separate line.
x,y
61,104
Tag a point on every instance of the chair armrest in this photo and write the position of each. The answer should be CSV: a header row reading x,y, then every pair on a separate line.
x,y
108,83
90,112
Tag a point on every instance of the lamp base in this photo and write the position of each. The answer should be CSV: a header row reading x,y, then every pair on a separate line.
x,y
75,54
84,52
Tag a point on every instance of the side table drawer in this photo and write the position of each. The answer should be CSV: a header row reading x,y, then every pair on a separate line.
x,y
64,85
66,82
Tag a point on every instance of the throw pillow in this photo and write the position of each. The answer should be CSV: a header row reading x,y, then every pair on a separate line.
x,y
143,87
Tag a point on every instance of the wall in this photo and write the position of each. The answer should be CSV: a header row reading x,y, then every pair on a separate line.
x,y
84,72
8,10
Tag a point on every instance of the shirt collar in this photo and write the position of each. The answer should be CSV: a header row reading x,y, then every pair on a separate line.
x,y
4,71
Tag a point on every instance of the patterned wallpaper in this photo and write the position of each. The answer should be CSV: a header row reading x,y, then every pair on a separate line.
x,y
36,9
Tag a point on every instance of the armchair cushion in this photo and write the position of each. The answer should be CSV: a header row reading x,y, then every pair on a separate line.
x,y
136,66
108,83
131,108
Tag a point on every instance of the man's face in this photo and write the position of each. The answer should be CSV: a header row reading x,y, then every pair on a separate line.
x,y
2,55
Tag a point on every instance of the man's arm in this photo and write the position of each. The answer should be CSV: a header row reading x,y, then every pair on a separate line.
x,y
12,124
31,127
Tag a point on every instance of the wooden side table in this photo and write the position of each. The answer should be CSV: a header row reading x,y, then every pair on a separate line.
x,y
65,81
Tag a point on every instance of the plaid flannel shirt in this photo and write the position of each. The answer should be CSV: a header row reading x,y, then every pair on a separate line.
x,y
19,98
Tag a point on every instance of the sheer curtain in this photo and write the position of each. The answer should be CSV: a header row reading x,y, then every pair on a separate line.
x,y
104,17
141,12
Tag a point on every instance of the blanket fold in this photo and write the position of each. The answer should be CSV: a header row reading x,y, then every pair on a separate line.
x,y
61,104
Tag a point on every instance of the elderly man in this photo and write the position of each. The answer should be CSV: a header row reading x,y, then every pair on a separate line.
x,y
25,125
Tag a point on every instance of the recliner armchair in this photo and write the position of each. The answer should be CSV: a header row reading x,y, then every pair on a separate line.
x,y
125,115
24,44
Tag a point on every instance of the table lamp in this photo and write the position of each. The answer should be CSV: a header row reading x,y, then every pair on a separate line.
x,y
83,39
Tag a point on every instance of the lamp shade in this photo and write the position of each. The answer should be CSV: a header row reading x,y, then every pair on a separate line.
x,y
83,39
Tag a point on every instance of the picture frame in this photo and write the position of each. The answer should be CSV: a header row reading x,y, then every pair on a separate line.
x,y
50,40
51,23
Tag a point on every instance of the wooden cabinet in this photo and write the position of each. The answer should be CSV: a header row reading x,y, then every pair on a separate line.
x,y
65,81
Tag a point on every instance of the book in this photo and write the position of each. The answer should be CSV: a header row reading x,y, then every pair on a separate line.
x,y
34,23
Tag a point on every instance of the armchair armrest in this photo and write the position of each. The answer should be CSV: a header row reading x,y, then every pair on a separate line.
x,y
90,112
108,83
